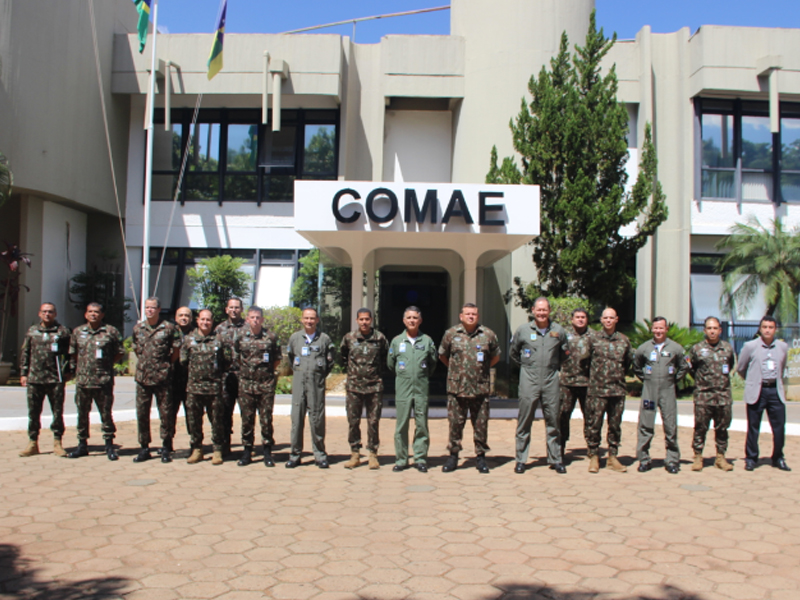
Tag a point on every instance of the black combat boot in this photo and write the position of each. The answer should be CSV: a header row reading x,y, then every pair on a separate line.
x,y
81,450
166,451
451,464
268,460
110,451
247,456
144,455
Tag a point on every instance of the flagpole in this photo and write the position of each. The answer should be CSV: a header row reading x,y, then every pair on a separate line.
x,y
148,168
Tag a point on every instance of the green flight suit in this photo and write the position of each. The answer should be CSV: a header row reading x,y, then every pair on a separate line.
x,y
659,371
412,363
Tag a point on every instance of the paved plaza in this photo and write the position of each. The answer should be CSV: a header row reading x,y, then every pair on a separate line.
x,y
91,528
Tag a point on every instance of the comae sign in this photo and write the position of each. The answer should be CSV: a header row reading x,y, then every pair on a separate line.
x,y
416,207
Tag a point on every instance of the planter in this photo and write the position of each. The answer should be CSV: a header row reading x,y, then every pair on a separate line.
x,y
5,372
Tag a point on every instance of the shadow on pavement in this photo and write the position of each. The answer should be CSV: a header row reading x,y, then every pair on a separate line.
x,y
543,592
19,580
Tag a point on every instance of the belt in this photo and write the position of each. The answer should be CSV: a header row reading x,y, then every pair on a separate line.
x,y
770,383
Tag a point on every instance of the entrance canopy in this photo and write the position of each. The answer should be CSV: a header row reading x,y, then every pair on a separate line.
x,y
460,227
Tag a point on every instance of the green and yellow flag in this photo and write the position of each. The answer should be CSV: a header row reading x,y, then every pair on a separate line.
x,y
215,58
143,7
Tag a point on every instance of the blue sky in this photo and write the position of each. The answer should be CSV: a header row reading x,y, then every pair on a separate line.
x,y
625,17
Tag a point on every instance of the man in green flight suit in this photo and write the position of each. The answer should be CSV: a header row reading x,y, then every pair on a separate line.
x,y
412,358
539,348
659,364
310,353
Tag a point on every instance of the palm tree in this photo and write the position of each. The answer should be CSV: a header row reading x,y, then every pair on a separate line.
x,y
760,257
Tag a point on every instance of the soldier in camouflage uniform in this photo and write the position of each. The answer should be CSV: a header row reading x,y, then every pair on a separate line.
x,y
363,354
206,357
156,343
94,348
180,376
711,363
412,358
310,353
259,353
468,350
574,375
230,329
539,348
42,365
611,355
659,363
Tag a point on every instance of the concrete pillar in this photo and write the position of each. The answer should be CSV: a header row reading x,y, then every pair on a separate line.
x,y
369,267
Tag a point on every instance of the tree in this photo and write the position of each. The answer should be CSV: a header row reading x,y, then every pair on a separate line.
x,y
571,141
760,257
217,279
6,180
333,301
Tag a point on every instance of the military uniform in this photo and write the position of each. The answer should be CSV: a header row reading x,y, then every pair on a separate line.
x,y
206,358
574,382
711,366
92,353
257,355
469,356
611,356
179,380
412,362
229,331
44,360
311,359
540,355
363,357
659,370
154,347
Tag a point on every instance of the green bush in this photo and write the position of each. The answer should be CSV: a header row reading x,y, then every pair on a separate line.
x,y
217,279
283,321
685,336
284,385
561,309
121,368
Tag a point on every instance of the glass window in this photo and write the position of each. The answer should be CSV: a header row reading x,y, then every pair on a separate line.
x,y
167,148
790,159
718,156
756,158
319,150
242,147
278,149
274,285
204,149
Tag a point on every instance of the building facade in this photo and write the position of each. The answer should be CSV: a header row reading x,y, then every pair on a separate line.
x,y
724,103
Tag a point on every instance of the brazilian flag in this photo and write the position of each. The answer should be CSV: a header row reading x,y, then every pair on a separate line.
x,y
215,58
143,7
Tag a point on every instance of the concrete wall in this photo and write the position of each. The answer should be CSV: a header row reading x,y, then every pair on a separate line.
x,y
417,146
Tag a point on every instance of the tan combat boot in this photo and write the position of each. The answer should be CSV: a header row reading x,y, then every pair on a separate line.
x,y
721,463
196,456
615,465
58,449
32,449
697,465
355,460
373,460
216,459
594,464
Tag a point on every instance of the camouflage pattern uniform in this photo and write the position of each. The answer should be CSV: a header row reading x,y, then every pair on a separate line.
x,y
611,357
711,367
229,331
470,356
574,381
206,358
179,380
154,347
312,360
659,371
44,361
258,356
412,363
363,358
539,356
92,353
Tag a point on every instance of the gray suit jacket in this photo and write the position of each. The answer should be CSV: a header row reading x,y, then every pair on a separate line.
x,y
749,367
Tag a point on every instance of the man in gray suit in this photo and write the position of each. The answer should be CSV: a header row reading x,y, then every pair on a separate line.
x,y
762,363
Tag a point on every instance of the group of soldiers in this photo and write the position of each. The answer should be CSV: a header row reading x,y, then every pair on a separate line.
x,y
208,370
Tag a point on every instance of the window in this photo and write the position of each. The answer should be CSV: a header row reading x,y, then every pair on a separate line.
x,y
740,158
233,157
273,272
